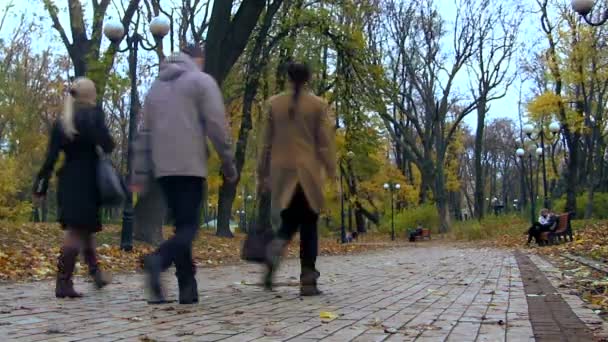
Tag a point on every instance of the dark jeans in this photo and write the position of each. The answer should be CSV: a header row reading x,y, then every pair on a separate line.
x,y
299,215
184,196
536,230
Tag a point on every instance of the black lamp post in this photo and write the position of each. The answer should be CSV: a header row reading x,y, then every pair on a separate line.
x,y
521,154
115,31
584,7
541,136
212,215
392,187
246,198
241,214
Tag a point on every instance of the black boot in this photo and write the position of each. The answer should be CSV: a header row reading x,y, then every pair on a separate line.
x,y
308,282
188,288
152,266
65,269
100,278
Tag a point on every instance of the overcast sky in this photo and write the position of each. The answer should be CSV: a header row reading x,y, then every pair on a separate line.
x,y
506,107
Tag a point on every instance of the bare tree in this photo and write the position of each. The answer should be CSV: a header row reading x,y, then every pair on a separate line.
x,y
257,61
423,89
496,45
228,35
84,49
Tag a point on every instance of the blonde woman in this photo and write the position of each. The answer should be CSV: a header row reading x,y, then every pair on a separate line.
x,y
78,133
298,152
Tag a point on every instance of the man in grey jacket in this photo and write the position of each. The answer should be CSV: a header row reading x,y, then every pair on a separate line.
x,y
183,108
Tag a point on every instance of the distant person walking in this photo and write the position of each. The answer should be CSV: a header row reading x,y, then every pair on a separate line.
x,y
298,152
183,108
79,131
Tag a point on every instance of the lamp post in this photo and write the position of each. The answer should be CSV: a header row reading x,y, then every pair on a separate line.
x,y
213,218
541,136
115,31
208,218
239,213
584,8
392,187
349,156
247,198
521,153
495,205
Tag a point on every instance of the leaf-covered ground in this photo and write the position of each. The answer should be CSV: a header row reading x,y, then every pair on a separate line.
x,y
29,251
590,242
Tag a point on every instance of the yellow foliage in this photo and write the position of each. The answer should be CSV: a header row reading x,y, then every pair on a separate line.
x,y
544,106
10,174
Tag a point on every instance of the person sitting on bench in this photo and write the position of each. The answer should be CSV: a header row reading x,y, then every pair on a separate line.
x,y
546,222
418,232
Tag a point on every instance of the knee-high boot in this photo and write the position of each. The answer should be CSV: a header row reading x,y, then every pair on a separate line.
x,y
65,270
100,278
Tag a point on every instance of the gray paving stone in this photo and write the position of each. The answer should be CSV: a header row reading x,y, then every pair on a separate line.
x,y
427,293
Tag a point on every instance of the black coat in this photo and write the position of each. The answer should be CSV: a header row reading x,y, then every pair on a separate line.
x,y
77,194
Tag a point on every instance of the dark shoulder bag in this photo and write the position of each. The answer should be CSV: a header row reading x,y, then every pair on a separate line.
x,y
258,238
109,184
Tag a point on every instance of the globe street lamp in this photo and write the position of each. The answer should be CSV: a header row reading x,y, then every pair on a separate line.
x,y
115,31
392,187
584,8
554,129
521,153
212,213
240,214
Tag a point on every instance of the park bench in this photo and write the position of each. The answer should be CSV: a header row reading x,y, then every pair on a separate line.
x,y
425,234
562,231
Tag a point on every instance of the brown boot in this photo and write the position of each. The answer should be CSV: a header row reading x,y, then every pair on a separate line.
x,y
308,282
100,278
65,269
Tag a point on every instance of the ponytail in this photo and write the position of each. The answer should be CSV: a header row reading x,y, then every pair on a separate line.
x,y
67,118
299,75
82,93
297,89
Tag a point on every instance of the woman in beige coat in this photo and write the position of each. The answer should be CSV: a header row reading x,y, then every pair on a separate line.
x,y
298,153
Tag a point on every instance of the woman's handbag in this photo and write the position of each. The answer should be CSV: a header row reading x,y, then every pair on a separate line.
x,y
111,187
255,245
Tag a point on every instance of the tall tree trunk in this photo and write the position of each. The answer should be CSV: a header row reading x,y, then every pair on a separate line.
x,y
256,64
228,35
428,174
228,190
594,174
479,176
441,201
571,172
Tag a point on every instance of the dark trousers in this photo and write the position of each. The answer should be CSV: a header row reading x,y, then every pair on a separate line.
x,y
300,216
536,230
184,196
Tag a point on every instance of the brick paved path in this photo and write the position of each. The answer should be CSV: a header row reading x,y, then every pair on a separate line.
x,y
433,293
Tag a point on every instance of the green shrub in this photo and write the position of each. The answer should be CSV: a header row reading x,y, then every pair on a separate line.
x,y
600,205
409,219
490,227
